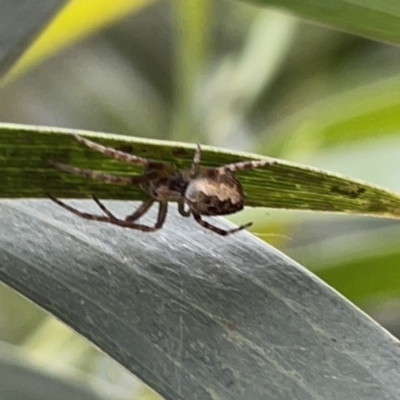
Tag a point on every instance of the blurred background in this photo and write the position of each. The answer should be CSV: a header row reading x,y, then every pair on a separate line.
x,y
236,76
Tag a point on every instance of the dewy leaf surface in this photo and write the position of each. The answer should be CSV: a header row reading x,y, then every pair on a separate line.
x,y
196,315
25,171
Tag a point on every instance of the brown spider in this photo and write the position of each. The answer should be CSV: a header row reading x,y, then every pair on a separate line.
x,y
206,191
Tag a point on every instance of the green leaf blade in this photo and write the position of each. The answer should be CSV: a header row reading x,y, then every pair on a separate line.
x,y
24,164
375,19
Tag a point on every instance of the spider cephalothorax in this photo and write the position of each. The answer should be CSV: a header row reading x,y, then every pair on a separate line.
x,y
204,191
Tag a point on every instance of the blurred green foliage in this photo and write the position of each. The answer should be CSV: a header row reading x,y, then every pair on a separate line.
x,y
239,76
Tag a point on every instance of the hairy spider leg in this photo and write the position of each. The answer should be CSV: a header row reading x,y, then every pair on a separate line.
x,y
98,175
162,212
143,208
181,209
242,165
215,229
195,168
103,208
119,155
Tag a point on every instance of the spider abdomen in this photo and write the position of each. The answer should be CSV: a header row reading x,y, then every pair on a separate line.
x,y
219,195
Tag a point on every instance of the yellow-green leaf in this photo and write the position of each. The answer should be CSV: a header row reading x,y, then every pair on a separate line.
x,y
365,112
77,20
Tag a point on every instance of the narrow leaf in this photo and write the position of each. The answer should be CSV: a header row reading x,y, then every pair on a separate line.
x,y
375,19
77,20
366,112
20,23
25,152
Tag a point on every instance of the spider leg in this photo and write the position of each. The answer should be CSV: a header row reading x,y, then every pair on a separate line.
x,y
104,208
119,155
241,165
162,212
136,215
79,213
143,208
220,231
101,176
194,170
181,209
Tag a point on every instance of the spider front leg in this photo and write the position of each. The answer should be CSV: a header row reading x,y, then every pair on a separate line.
x,y
215,229
102,176
119,155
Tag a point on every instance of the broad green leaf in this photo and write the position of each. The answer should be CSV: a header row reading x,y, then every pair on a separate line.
x,y
368,111
25,152
76,21
20,23
375,19
365,277
193,314
361,265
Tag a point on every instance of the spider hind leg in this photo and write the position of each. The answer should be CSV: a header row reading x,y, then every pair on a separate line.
x,y
81,214
243,165
217,230
110,218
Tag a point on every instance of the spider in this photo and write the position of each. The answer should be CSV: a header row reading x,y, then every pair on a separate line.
x,y
204,191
